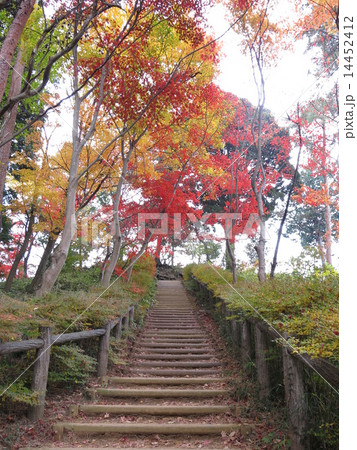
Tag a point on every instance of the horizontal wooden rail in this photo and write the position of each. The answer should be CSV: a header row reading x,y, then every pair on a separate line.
x,y
43,345
7,348
20,346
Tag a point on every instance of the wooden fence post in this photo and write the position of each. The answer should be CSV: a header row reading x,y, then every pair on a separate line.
x,y
118,329
40,373
235,339
224,317
295,401
245,345
103,352
125,322
131,316
261,349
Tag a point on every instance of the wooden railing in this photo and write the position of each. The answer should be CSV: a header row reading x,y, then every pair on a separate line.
x,y
253,338
47,339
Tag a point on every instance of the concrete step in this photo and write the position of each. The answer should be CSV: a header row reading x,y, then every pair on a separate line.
x,y
155,357
175,328
158,393
176,364
171,347
172,320
161,381
177,351
152,428
151,410
165,339
180,315
176,340
177,335
175,372
108,448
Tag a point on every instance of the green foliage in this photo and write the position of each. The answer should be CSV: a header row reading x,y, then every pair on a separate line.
x,y
14,314
209,250
18,393
76,310
76,279
306,263
115,355
83,307
304,305
15,390
69,366
306,308
323,409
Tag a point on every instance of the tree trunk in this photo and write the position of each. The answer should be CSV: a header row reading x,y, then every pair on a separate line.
x,y
27,257
321,250
117,237
258,192
36,282
20,254
138,255
291,190
257,55
59,255
106,259
11,41
8,125
260,248
328,240
232,259
327,211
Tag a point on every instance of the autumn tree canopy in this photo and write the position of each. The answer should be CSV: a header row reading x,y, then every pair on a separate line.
x,y
156,143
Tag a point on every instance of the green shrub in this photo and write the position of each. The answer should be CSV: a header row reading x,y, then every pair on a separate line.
x,y
83,307
15,380
69,366
77,279
306,308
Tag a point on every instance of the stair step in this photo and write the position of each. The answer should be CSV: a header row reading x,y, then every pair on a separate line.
x,y
182,347
176,372
104,448
174,326
173,340
176,335
179,350
159,393
164,356
171,321
152,428
176,364
161,381
153,410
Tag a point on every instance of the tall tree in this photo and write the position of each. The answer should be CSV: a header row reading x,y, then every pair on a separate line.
x,y
10,43
134,25
261,38
237,159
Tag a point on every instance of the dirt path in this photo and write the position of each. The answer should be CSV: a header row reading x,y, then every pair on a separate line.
x,y
172,393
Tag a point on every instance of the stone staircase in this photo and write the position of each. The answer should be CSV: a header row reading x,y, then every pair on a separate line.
x,y
172,395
